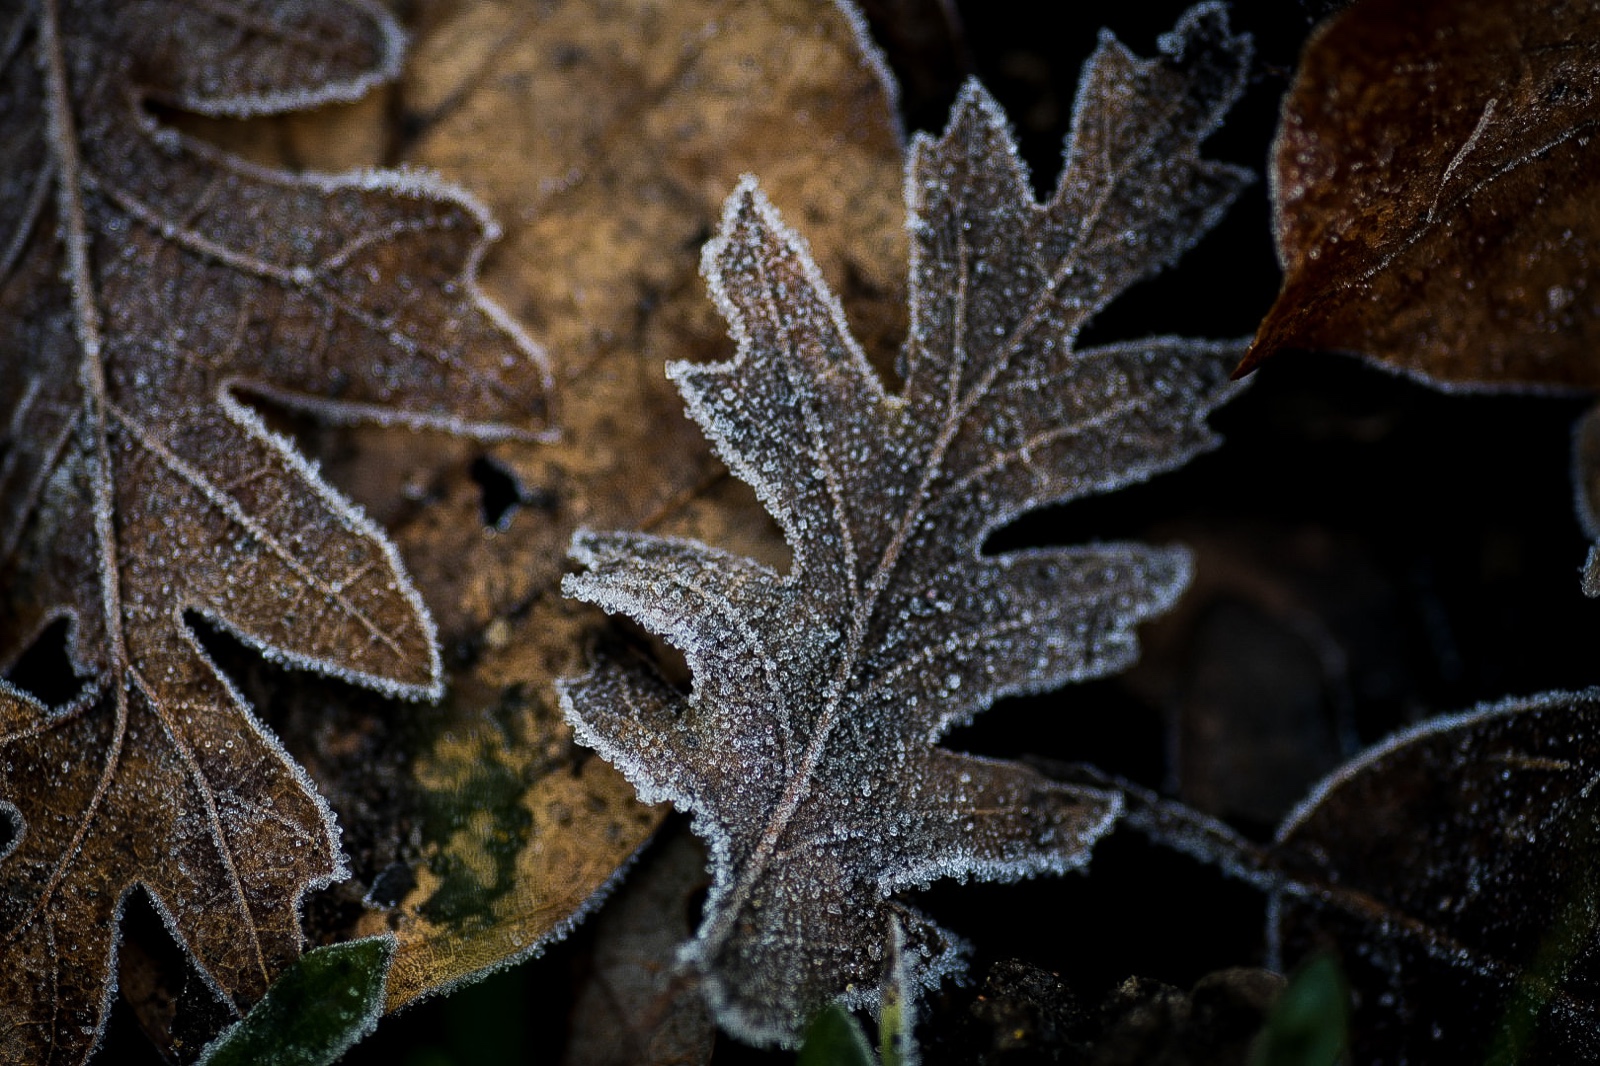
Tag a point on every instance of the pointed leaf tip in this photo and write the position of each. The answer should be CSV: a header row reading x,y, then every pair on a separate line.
x,y
316,1011
1459,249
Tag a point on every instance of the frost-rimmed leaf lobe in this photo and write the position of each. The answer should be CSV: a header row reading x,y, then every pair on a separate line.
x,y
148,285
805,750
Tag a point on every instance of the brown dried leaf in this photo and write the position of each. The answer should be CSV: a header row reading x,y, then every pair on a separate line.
x,y
807,748
1435,192
1454,868
148,285
606,137
635,1008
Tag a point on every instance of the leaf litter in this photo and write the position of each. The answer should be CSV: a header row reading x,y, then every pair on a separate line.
x,y
1450,870
606,153
806,750
149,287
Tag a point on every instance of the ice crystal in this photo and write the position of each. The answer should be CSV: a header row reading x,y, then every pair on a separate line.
x,y
807,749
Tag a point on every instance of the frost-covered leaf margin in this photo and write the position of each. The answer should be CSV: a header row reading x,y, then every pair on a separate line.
x,y
806,749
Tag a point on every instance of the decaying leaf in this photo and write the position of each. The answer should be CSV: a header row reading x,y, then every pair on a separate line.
x,y
634,1008
1435,191
150,285
807,749
605,138
1454,870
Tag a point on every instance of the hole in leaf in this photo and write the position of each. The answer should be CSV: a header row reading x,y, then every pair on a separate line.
x,y
500,493
44,670
391,886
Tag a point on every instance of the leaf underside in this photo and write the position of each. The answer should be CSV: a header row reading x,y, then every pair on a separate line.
x,y
807,749
149,285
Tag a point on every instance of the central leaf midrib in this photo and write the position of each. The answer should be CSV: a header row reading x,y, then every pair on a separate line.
x,y
798,787
959,407
62,136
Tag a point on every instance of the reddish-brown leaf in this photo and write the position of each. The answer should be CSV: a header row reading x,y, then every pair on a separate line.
x,y
1436,192
148,286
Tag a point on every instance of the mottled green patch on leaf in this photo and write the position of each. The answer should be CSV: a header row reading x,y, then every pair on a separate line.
x,y
491,793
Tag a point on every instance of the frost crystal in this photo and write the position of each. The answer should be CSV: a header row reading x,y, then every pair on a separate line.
x,y
806,751
148,282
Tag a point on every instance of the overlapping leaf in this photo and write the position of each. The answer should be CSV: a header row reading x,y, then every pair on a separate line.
x,y
807,749
148,285
604,138
1450,870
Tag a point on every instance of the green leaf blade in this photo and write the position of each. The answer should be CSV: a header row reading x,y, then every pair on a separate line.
x,y
835,1039
1310,1024
315,1012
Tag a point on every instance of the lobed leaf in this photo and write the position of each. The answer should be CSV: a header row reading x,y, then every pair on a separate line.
x,y
601,135
149,286
806,748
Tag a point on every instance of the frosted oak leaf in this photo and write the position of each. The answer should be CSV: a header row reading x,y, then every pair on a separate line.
x,y
807,749
148,285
